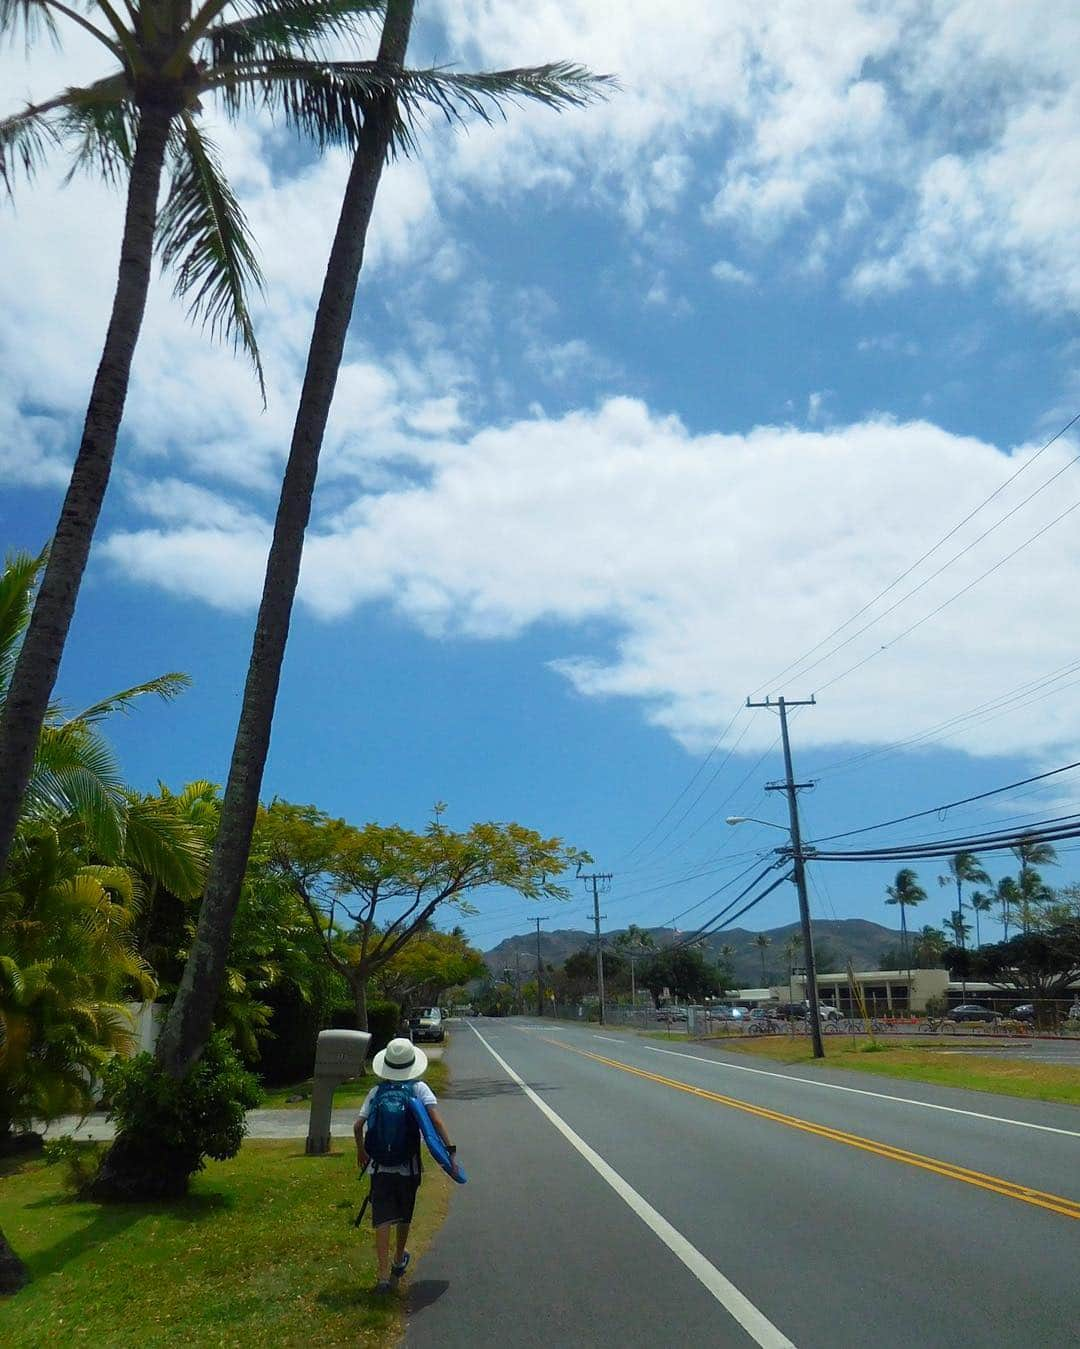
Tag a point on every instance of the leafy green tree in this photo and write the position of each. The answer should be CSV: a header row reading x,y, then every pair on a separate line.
x,y
371,890
683,970
929,948
1043,965
964,868
428,965
141,121
389,127
635,943
905,893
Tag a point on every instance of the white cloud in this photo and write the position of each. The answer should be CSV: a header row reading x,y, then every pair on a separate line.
x,y
717,558
728,274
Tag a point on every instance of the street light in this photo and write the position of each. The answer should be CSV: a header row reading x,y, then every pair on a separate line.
x,y
753,819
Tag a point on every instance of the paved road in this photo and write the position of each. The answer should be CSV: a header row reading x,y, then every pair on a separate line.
x,y
669,1195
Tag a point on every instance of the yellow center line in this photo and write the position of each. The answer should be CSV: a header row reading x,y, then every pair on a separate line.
x,y
1068,1208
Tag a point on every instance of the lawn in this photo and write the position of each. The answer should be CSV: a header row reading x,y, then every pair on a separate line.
x,y
942,1064
262,1252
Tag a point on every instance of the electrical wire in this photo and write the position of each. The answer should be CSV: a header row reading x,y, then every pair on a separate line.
x,y
949,805
708,928
1060,827
928,553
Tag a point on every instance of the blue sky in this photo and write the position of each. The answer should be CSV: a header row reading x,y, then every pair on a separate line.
x,y
640,403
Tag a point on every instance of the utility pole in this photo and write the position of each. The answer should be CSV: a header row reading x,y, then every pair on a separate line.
x,y
539,970
791,788
599,880
517,981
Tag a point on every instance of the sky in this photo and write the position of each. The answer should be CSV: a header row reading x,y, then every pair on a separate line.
x,y
646,407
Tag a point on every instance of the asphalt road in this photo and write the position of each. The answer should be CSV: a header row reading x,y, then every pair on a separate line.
x,y
625,1192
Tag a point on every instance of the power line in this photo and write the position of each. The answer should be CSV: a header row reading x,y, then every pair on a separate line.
x,y
949,805
928,553
1060,827
708,928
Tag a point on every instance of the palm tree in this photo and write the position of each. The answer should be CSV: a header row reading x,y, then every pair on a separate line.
x,y
906,892
388,127
930,944
762,941
981,904
1031,854
958,928
142,121
964,868
75,793
1007,894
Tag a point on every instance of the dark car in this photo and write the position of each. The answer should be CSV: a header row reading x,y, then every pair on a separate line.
x,y
1025,1012
790,1011
972,1011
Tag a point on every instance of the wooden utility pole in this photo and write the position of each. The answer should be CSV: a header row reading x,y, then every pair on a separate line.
x,y
598,880
791,789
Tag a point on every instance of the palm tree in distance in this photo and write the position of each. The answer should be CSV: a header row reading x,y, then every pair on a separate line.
x,y
140,122
980,903
762,941
1031,854
964,868
1007,894
905,892
389,126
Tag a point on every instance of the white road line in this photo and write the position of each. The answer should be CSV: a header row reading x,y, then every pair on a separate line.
x,y
861,1091
611,1039
760,1329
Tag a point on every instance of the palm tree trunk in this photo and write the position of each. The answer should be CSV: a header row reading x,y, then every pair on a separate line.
x,y
35,671
903,936
190,1018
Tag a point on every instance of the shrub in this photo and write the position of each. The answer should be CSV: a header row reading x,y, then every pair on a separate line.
x,y
937,1005
80,1161
166,1128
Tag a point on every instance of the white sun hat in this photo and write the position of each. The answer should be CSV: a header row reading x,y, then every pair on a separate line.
x,y
400,1061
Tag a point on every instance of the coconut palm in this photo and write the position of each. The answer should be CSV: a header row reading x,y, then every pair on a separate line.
x,y
762,941
388,127
1031,854
905,892
964,868
1007,894
142,122
958,928
980,903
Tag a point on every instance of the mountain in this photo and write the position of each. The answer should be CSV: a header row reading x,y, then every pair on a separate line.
x,y
835,942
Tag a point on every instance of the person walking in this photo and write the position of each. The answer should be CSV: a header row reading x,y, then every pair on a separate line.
x,y
388,1139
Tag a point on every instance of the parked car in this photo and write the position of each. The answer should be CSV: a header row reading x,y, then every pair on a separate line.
x,y
427,1024
762,1013
972,1011
727,1013
790,1011
828,1012
1025,1012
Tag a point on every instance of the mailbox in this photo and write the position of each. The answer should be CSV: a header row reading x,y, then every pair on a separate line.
x,y
339,1055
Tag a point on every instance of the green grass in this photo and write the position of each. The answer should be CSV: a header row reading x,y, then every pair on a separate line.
x,y
261,1253
940,1063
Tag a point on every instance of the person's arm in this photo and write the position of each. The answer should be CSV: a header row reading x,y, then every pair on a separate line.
x,y
361,1152
440,1129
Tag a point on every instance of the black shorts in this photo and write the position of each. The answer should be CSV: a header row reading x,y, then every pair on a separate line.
x,y
393,1198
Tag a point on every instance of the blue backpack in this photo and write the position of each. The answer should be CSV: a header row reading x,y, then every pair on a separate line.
x,y
393,1135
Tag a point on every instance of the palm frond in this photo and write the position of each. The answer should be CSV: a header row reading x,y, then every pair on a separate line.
x,y
77,790
25,139
329,100
32,16
17,581
166,847
283,28
202,230
166,686
103,121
